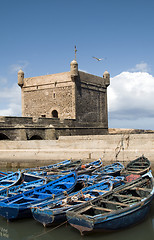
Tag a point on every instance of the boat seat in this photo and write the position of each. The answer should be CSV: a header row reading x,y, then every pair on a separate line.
x,y
138,183
115,203
142,189
127,196
97,190
104,209
29,198
15,200
85,209
7,180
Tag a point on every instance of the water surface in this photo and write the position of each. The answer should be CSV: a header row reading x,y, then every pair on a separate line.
x,y
29,229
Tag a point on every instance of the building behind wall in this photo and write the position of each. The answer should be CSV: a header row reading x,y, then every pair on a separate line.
x,y
70,95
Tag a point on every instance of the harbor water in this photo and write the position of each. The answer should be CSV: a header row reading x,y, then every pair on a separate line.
x,y
29,229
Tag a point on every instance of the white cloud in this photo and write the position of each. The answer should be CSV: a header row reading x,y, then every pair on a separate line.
x,y
130,98
11,110
141,67
10,101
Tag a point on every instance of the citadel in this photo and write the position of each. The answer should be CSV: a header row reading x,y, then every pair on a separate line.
x,y
62,104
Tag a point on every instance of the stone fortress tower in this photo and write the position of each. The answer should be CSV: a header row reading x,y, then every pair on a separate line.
x,y
73,95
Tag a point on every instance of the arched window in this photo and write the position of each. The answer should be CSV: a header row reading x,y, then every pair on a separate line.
x,y
54,114
3,137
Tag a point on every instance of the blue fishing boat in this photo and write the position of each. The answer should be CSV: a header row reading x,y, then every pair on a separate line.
x,y
63,169
2,174
90,167
113,169
44,169
21,188
87,168
54,212
19,205
10,180
95,178
122,207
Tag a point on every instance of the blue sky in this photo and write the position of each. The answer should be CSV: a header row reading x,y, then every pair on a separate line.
x,y
39,37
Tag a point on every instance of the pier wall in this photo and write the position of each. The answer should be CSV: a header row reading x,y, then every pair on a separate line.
x,y
121,147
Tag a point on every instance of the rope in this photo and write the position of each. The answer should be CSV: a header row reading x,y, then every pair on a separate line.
x,y
49,230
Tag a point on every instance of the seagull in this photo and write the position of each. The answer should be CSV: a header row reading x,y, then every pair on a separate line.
x,y
98,59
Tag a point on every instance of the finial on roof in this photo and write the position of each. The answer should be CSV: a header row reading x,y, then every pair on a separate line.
x,y
20,71
75,52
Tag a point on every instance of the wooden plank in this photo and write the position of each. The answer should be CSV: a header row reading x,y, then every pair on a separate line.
x,y
141,162
7,180
134,169
115,203
85,209
104,209
96,190
143,189
134,185
137,167
126,196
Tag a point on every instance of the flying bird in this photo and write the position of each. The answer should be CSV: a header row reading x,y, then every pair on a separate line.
x,y
98,59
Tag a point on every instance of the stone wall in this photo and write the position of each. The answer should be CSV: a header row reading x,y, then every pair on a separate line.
x,y
110,148
83,97
27,128
91,95
44,94
43,101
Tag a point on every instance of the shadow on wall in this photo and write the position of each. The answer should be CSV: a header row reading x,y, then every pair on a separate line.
x,y
35,137
3,137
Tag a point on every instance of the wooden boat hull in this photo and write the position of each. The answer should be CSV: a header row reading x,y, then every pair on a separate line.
x,y
139,166
10,180
125,206
89,167
11,213
48,215
21,188
47,219
19,205
115,222
113,169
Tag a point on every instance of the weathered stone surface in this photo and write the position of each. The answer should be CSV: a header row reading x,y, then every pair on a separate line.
x,y
70,95
27,128
110,148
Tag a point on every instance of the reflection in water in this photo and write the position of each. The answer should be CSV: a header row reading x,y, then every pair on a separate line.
x,y
29,229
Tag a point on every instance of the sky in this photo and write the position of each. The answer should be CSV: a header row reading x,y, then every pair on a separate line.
x,y
38,36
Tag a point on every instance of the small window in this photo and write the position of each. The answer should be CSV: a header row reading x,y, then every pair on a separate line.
x,y
54,95
54,114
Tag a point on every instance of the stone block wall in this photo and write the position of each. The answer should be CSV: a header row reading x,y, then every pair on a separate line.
x,y
86,148
91,99
83,97
42,102
26,128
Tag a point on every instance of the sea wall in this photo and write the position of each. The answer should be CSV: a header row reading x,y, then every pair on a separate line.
x,y
121,147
